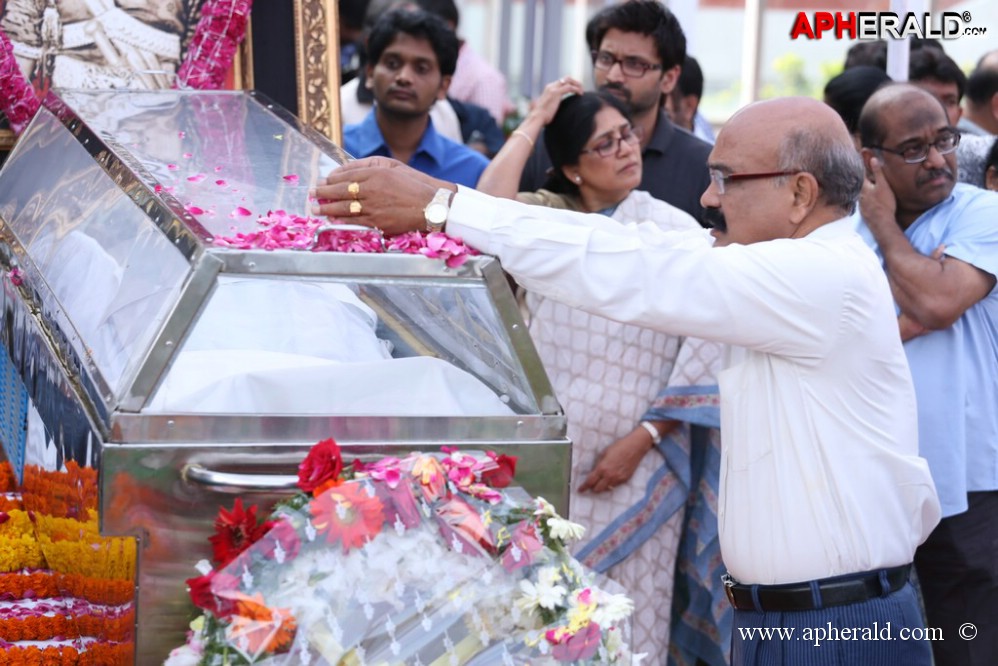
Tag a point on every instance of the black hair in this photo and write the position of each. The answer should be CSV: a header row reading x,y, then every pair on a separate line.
x,y
416,23
647,17
982,85
848,92
930,62
568,132
990,161
445,9
690,80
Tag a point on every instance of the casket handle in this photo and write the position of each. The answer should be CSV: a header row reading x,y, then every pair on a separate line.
x,y
238,483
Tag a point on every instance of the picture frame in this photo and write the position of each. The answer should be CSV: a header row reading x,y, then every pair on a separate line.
x,y
313,47
317,37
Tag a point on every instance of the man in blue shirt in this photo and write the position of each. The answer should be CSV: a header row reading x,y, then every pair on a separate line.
x,y
412,55
939,244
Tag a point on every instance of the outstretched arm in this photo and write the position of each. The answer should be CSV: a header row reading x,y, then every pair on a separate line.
x,y
502,177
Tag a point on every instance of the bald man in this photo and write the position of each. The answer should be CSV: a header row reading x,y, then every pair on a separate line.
x,y
823,496
939,243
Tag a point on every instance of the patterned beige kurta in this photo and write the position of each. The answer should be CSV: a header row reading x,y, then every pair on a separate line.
x,y
606,375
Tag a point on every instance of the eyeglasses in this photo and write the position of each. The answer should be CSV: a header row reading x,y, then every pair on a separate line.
x,y
611,144
633,67
944,145
720,178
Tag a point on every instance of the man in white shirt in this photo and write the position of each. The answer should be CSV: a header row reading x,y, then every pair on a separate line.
x,y
823,496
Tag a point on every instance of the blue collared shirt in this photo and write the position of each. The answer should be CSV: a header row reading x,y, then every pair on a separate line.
x,y
435,156
956,369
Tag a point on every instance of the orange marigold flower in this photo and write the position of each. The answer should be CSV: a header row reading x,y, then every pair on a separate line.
x,y
256,628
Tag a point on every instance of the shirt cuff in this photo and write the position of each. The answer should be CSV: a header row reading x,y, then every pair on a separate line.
x,y
470,218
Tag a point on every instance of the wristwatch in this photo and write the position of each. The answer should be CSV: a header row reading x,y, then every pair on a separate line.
x,y
436,211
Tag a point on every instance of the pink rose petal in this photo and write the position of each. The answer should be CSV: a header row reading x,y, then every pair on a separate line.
x,y
196,178
291,178
172,167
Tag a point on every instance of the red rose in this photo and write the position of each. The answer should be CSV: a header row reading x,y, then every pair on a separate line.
x,y
323,463
208,593
502,474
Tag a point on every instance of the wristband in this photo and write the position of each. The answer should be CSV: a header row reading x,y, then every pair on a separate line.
x,y
656,436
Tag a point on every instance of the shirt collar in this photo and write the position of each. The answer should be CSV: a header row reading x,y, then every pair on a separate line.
x,y
370,141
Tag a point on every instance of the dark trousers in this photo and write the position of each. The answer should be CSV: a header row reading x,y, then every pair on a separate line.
x,y
883,631
958,574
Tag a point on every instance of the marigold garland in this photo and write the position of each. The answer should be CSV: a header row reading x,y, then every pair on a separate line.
x,y
70,494
51,584
96,654
46,628
8,481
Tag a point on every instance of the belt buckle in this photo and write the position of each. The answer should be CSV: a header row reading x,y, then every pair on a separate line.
x,y
729,585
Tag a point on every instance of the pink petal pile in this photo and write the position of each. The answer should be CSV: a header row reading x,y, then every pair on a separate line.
x,y
280,230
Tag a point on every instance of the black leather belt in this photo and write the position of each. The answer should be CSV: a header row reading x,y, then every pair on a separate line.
x,y
836,591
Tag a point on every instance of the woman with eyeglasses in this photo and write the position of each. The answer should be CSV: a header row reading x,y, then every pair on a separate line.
x,y
606,374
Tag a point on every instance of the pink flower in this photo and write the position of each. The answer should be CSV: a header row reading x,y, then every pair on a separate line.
x,y
524,544
17,279
581,645
387,470
17,99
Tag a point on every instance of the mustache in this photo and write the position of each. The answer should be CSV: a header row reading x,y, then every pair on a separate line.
x,y
714,219
935,173
618,89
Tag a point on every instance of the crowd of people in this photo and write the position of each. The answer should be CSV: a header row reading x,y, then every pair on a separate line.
x,y
776,347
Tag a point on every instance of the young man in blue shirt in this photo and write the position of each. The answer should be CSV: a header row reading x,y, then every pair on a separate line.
x,y
412,55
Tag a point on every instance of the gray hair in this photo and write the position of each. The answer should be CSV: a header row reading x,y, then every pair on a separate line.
x,y
836,165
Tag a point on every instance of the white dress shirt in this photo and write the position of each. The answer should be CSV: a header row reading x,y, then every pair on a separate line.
x,y
820,473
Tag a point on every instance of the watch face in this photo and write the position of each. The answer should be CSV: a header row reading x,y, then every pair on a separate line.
x,y
436,213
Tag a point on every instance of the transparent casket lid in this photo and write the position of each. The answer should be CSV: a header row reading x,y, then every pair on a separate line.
x,y
114,199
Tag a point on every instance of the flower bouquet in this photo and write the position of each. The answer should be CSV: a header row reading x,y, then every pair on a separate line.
x,y
429,559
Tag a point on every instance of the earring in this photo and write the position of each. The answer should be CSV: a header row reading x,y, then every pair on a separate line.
x,y
578,179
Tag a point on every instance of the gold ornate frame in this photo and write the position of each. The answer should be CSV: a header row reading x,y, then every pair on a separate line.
x,y
317,37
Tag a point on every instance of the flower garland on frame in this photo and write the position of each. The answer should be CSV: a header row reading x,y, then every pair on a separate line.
x,y
408,560
212,49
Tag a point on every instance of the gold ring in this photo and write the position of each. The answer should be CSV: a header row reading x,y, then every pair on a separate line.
x,y
354,189
356,208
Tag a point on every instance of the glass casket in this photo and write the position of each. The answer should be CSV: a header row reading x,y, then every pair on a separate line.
x,y
185,373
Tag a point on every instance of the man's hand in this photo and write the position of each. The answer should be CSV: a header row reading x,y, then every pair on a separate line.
x,y
877,203
387,195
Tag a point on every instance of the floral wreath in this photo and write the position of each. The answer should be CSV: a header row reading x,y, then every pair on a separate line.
x,y
421,560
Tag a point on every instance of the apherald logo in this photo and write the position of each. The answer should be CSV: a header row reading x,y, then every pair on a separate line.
x,y
882,25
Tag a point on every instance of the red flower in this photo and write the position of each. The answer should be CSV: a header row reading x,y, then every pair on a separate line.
x,y
348,514
323,463
210,592
501,475
235,531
